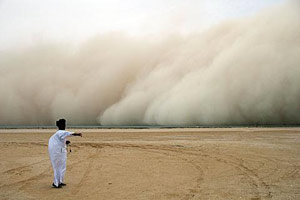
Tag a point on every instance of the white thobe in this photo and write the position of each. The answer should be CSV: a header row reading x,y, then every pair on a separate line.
x,y
58,154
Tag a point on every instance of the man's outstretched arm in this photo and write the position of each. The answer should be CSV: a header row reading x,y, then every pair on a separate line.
x,y
77,134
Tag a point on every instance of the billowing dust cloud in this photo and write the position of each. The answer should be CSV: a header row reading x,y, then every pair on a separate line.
x,y
244,71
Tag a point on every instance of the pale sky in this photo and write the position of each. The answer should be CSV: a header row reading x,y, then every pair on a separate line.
x,y
23,22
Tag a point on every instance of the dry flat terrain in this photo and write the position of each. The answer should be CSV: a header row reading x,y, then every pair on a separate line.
x,y
232,163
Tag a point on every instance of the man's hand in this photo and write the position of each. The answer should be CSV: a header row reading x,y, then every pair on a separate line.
x,y
77,134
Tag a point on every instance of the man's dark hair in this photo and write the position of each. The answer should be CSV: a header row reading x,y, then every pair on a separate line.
x,y
61,123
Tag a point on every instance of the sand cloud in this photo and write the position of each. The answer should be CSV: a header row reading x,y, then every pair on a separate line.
x,y
243,71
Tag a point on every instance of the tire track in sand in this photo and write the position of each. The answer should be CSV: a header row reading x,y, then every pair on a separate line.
x,y
85,177
260,188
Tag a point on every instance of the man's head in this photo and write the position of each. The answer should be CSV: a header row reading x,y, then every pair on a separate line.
x,y
61,124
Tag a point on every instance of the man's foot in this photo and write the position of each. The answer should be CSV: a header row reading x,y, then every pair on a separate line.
x,y
53,185
62,184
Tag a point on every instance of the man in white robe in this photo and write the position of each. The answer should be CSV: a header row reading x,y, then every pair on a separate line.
x,y
58,152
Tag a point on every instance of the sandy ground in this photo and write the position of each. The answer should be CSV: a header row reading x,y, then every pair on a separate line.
x,y
233,163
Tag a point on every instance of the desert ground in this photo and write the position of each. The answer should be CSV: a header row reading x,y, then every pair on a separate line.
x,y
206,163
